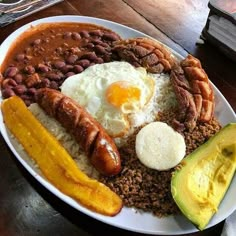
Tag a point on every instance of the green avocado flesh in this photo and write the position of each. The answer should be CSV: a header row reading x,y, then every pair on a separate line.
x,y
204,176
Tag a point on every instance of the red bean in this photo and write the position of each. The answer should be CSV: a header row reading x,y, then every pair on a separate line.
x,y
18,78
96,32
20,57
96,41
54,75
105,45
45,83
11,71
59,64
71,59
84,63
99,60
7,92
54,85
32,91
89,55
27,99
43,68
99,49
29,69
8,83
67,35
84,42
20,89
136,64
107,57
76,36
66,68
78,69
69,74
84,34
90,45
110,36
96,37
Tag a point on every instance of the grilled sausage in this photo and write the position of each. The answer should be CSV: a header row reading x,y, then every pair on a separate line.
x,y
90,135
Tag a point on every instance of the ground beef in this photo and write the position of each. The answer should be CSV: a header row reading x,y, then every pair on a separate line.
x,y
147,189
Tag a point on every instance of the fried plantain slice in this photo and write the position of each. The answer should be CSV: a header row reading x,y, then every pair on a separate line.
x,y
54,162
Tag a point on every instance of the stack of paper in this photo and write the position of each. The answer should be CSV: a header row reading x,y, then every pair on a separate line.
x,y
220,28
223,30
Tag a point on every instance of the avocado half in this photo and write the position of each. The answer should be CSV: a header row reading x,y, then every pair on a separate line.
x,y
200,183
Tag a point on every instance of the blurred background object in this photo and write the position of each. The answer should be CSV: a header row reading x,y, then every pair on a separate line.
x,y
220,28
12,10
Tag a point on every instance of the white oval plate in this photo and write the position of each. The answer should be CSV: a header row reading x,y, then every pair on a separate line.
x,y
128,218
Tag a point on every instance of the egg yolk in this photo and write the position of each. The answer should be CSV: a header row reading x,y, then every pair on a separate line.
x,y
123,94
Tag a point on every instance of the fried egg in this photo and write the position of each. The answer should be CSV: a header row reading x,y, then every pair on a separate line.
x,y
116,94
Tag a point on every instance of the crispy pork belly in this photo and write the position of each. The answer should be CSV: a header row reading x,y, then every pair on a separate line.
x,y
193,91
148,53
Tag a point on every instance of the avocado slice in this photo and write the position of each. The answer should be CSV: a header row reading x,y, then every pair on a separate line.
x,y
203,177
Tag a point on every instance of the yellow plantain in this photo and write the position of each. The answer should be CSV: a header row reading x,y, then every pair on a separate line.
x,y
54,161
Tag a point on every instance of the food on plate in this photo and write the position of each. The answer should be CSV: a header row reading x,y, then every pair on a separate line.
x,y
46,54
91,136
148,53
126,85
194,93
54,162
201,181
159,147
115,94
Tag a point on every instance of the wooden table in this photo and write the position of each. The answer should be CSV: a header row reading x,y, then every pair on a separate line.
x,y
27,208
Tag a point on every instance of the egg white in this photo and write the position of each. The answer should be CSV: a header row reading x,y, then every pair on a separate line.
x,y
89,90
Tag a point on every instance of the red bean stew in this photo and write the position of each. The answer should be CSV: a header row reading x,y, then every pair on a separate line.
x,y
45,55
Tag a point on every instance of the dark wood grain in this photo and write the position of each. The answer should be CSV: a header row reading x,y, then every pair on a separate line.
x,y
182,21
27,208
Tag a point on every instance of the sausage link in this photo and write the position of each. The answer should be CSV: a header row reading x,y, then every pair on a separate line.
x,y
48,101
90,135
105,155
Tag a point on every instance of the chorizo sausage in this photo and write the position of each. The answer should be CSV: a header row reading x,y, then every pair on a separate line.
x,y
90,135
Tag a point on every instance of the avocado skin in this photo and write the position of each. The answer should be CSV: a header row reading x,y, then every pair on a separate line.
x,y
199,184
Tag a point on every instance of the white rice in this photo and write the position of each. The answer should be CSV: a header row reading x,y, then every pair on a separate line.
x,y
164,96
